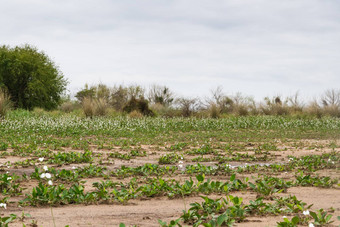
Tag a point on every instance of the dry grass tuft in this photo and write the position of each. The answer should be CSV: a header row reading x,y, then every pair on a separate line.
x,y
5,103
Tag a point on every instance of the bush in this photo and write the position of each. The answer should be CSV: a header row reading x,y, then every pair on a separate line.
x,y
88,107
5,103
69,106
31,78
94,107
140,105
135,114
214,111
100,107
314,109
332,110
188,106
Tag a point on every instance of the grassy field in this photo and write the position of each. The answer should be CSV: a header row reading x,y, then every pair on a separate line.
x,y
241,171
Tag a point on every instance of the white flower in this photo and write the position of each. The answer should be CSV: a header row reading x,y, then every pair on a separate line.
x,y
48,175
9,178
7,172
311,225
4,205
45,168
182,158
180,166
74,167
43,175
41,159
180,162
306,212
50,182
284,217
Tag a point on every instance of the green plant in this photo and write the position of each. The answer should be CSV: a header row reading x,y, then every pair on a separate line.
x,y
172,223
5,221
5,102
321,217
171,158
31,77
289,223
3,146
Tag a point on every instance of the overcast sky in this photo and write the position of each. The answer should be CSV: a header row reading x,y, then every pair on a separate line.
x,y
257,47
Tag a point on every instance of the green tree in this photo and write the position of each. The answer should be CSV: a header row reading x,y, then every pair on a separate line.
x,y
31,78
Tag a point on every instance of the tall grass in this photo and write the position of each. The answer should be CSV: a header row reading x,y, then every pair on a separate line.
x,y
94,107
5,103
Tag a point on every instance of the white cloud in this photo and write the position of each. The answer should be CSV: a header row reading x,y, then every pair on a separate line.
x,y
258,47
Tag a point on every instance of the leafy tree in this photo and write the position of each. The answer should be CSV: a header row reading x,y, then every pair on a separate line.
x,y
31,78
86,92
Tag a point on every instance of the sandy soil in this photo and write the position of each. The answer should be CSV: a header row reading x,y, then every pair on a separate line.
x,y
147,212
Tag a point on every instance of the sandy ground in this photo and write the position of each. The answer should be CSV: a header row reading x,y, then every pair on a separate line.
x,y
147,212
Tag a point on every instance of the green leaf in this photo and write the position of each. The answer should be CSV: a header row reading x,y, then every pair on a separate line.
x,y
295,220
221,219
200,177
328,218
313,214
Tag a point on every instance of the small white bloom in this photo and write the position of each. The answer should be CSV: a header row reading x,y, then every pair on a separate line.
x,y
8,167
284,217
43,175
311,225
45,168
180,162
182,158
9,178
74,167
180,166
41,159
48,175
50,182
4,205
306,212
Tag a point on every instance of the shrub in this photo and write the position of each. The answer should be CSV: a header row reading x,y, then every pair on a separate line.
x,y
135,114
140,105
188,106
88,107
241,110
31,77
5,103
38,111
332,110
274,106
214,111
314,109
68,106
160,95
100,107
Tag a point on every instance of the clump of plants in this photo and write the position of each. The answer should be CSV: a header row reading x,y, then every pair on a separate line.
x,y
140,105
5,103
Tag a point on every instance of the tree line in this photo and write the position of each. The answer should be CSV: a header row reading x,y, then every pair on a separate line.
x,y
30,79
